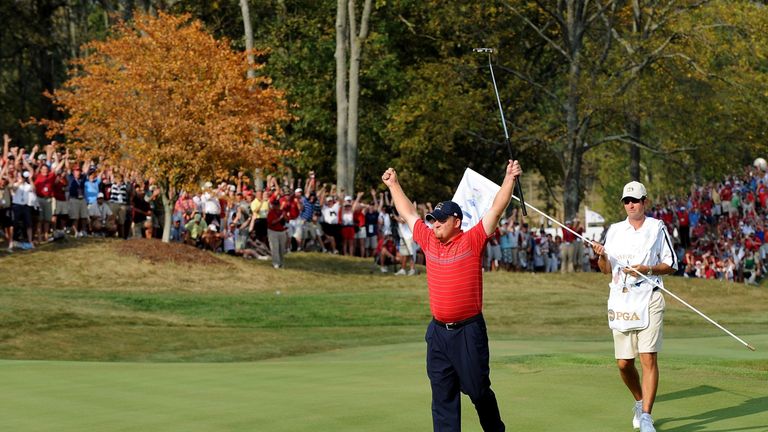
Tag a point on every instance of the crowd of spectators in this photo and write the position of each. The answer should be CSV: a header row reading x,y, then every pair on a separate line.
x,y
718,228
718,231
50,194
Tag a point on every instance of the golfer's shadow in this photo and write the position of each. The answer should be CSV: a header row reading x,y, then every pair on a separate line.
x,y
698,422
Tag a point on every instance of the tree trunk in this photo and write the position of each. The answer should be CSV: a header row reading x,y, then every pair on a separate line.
x,y
355,54
72,18
248,34
342,104
574,32
634,149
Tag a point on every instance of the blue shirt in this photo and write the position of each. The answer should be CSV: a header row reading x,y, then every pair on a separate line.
x,y
506,241
307,210
693,218
92,190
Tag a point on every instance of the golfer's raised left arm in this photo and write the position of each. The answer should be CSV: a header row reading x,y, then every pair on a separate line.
x,y
502,198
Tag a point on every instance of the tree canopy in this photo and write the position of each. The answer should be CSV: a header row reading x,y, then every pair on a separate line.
x,y
164,97
594,92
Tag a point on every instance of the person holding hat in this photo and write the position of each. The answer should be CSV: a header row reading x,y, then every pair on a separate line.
x,y
637,245
457,340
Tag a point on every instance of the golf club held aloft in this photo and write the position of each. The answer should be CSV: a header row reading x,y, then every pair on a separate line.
x,y
518,189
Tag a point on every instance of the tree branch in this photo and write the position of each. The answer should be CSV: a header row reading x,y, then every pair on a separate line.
x,y
538,30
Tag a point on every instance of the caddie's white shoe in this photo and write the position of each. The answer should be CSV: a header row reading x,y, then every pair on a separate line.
x,y
637,411
401,272
646,423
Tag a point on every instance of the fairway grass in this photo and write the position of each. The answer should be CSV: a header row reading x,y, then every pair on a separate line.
x,y
707,384
95,341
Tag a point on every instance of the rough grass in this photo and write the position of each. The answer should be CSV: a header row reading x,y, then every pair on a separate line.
x,y
97,300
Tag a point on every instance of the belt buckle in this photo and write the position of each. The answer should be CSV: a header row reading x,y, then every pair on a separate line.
x,y
450,326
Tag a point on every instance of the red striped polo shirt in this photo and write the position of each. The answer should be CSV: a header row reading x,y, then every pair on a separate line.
x,y
454,272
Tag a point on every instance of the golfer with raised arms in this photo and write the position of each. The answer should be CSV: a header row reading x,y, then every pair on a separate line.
x,y
635,306
457,339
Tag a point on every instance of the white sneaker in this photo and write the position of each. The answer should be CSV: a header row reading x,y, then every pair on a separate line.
x,y
646,423
384,270
401,272
637,411
411,272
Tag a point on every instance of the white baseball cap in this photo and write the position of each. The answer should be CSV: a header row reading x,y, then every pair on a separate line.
x,y
634,189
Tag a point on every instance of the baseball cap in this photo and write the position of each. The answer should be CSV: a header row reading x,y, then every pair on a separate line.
x,y
297,190
443,211
634,189
348,198
213,227
100,195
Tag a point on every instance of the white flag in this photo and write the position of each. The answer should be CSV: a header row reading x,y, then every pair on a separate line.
x,y
592,217
474,195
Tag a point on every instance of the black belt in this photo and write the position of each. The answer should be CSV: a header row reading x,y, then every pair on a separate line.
x,y
458,324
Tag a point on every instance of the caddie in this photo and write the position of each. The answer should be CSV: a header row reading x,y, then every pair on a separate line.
x,y
639,244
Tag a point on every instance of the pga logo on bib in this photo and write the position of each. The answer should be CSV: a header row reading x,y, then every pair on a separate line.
x,y
625,316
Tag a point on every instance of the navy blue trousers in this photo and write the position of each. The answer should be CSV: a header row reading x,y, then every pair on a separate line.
x,y
457,361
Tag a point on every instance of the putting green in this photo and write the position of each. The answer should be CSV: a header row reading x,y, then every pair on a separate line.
x,y
707,384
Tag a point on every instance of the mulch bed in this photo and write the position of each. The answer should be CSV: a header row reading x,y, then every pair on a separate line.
x,y
155,251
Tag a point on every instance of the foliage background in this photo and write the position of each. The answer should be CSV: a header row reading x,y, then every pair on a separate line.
x,y
427,104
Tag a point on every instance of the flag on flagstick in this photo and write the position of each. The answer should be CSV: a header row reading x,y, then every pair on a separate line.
x,y
474,195
592,217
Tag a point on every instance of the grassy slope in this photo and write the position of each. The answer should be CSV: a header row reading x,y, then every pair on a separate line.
x,y
83,302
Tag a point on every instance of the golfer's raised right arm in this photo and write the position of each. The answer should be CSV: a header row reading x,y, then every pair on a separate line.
x,y
403,205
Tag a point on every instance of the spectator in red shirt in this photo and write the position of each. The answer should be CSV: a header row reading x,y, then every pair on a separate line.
x,y
457,340
276,231
385,252
44,181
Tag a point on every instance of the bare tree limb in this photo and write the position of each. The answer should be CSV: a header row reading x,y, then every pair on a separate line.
x,y
540,32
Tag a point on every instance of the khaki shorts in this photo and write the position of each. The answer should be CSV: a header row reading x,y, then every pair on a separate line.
x,y
46,208
62,208
629,344
406,246
118,210
78,209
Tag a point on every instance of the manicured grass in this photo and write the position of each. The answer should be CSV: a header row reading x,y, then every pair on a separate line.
x,y
331,344
540,385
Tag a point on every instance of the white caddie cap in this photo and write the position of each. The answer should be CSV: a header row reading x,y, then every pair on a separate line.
x,y
634,189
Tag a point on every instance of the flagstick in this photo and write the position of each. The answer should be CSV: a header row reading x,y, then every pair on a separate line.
x,y
646,278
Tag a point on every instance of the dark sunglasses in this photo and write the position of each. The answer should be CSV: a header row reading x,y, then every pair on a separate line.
x,y
630,200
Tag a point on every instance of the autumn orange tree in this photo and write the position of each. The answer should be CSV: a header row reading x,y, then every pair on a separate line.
x,y
164,98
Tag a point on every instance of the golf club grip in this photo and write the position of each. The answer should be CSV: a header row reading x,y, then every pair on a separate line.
x,y
519,193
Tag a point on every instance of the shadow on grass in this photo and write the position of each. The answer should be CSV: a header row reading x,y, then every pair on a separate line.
x,y
682,394
699,422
